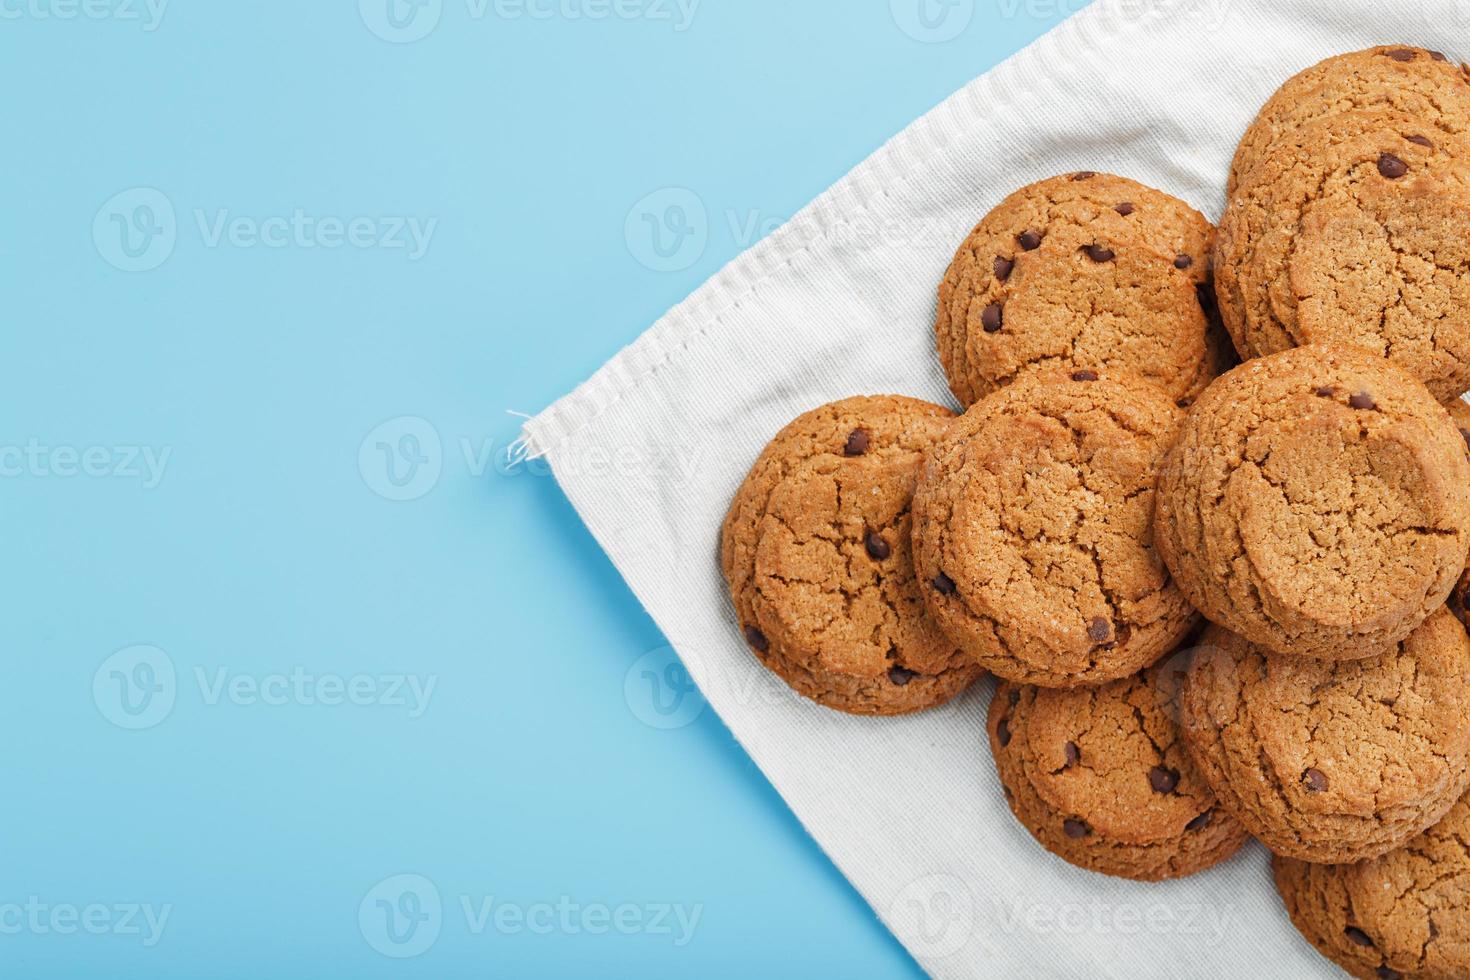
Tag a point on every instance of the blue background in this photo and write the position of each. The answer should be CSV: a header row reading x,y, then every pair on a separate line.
x,y
268,544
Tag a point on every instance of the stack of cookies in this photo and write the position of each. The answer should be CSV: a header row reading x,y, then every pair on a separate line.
x,y
1220,601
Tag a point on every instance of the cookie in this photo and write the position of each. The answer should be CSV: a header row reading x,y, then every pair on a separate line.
x,y
1391,78
816,553
1332,762
1100,778
1084,270
1317,503
1033,530
1403,916
1354,231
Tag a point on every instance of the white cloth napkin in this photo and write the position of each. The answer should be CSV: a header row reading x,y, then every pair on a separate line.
x,y
840,301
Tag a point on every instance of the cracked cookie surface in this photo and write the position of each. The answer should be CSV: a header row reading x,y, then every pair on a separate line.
x,y
1403,916
1033,530
1354,231
816,553
1083,270
1100,777
1389,78
1317,502
1333,762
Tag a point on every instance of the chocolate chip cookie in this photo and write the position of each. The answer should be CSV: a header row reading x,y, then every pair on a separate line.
x,y
1389,78
1403,916
816,553
1317,502
1101,778
1354,231
1333,762
1084,270
1033,530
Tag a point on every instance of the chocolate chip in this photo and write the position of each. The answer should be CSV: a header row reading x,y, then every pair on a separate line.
x,y
878,548
1030,239
1099,254
1402,54
992,318
1421,141
1182,261
1003,268
1125,209
1326,392
1438,56
944,584
901,676
1358,936
1084,175
1392,167
1315,781
857,443
1200,822
1099,630
1075,828
1363,402
1014,697
1003,732
1084,375
757,639
1389,973
1163,780
1074,754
